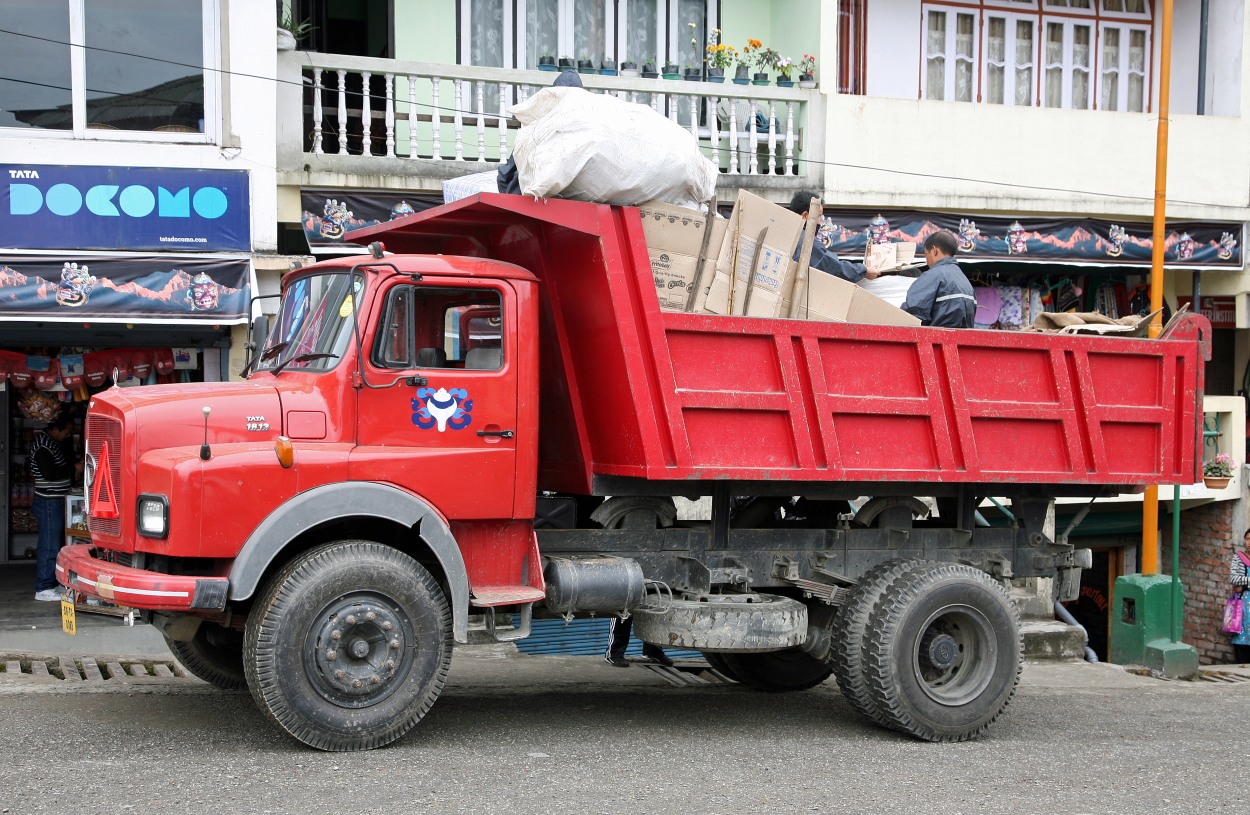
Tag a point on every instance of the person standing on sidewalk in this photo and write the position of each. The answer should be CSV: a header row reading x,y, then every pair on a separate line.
x,y
1239,576
50,465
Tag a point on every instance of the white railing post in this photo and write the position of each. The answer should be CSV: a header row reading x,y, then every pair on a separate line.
x,y
791,168
436,121
754,140
366,115
481,121
390,115
694,118
713,126
734,142
772,138
318,114
342,111
502,122
412,116
459,119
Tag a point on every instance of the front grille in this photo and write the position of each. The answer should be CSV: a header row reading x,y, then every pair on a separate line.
x,y
101,431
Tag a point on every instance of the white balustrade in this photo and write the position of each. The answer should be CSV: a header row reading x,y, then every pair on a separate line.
x,y
729,121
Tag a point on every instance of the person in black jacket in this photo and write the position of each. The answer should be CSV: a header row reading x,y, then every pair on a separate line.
x,y
50,464
822,258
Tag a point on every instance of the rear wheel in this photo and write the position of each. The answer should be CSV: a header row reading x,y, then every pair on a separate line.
x,y
348,646
214,654
778,671
942,652
717,661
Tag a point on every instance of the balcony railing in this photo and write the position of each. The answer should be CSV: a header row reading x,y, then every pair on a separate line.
x,y
389,109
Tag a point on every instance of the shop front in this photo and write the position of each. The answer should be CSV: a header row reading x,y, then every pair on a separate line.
x,y
109,277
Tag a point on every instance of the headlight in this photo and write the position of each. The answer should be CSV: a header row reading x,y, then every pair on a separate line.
x,y
153,516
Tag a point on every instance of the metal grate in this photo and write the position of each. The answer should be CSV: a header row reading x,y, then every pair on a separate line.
x,y
102,430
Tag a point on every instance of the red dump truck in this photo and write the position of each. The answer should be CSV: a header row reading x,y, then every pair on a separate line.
x,y
496,419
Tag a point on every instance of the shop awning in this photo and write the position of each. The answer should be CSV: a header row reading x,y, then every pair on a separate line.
x,y
1067,241
157,289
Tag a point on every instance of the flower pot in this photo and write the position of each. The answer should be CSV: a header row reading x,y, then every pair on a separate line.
x,y
719,72
670,68
585,66
547,60
1214,483
741,73
650,75
630,72
785,83
693,75
606,72
742,80
547,67
672,76
606,66
286,40
807,81
566,64
759,79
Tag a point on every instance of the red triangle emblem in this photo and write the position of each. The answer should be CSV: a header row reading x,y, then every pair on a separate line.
x,y
103,496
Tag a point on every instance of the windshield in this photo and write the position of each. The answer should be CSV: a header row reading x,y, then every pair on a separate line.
x,y
313,328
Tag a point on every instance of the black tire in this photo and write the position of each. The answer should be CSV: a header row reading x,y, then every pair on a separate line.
x,y
943,652
846,653
778,671
214,654
390,628
717,661
766,624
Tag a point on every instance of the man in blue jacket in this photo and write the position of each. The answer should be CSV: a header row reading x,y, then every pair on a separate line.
x,y
942,296
822,258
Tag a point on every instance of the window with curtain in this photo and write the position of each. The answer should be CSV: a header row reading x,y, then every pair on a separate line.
x,y
1077,54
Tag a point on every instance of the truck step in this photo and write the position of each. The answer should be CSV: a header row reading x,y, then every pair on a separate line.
x,y
486,596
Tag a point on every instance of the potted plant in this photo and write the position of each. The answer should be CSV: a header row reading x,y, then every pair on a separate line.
x,y
694,73
607,67
586,66
807,66
566,64
719,57
629,68
648,69
290,32
1218,471
784,66
756,54
671,71
547,62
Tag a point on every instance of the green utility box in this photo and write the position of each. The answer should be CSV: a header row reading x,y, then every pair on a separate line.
x,y
1141,626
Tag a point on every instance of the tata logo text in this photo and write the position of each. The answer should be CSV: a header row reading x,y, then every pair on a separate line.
x,y
111,200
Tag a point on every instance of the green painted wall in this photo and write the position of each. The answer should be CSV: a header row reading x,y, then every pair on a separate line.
x,y
425,30
796,27
745,19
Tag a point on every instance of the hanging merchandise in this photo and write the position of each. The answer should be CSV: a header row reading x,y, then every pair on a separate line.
x,y
1069,296
38,406
19,374
71,370
45,379
989,304
1011,314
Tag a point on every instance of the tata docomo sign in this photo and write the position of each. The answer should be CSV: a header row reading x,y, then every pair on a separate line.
x,y
136,208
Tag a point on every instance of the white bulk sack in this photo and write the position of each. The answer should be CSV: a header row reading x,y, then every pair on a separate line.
x,y
596,147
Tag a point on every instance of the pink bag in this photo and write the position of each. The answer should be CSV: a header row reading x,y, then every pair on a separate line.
x,y
1234,615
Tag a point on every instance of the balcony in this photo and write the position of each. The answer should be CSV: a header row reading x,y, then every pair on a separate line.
x,y
421,123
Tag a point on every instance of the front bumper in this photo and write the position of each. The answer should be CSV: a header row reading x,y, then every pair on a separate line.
x,y
78,569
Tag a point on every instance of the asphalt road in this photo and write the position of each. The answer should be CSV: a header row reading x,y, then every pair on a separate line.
x,y
571,735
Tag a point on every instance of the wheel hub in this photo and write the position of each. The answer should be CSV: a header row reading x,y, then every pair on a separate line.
x,y
360,650
938,650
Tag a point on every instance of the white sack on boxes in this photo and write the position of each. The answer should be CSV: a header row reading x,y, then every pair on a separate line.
x,y
596,147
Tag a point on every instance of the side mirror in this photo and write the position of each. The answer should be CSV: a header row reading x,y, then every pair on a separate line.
x,y
260,333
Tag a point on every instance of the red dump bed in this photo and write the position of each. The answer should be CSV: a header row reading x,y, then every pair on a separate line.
x,y
629,390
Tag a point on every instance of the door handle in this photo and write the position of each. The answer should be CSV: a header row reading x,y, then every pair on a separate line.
x,y
503,434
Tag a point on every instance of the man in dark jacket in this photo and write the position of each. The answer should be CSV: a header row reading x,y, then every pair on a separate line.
x,y
942,296
822,258
509,181
51,465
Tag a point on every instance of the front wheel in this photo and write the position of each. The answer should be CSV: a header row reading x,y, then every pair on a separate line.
x,y
348,646
942,652
214,654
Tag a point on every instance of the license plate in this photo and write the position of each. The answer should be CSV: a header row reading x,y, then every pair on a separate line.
x,y
69,617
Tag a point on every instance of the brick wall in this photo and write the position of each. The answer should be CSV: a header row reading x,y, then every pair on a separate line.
x,y
1207,535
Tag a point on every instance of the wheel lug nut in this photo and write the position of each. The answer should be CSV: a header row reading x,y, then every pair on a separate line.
x,y
371,616
332,655
386,626
394,643
356,683
339,674
336,634
390,664
375,680
351,619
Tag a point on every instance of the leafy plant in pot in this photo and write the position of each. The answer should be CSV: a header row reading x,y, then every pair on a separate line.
x,y
693,73
585,65
648,69
547,62
719,57
607,67
566,64
1218,471
784,66
671,71
756,54
807,67
629,68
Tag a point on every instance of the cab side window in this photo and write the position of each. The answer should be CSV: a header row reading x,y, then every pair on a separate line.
x,y
427,327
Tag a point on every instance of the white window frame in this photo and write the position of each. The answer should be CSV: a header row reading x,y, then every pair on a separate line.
x,y
1009,56
948,54
616,22
1069,69
1092,11
1012,5
1142,16
210,59
1126,28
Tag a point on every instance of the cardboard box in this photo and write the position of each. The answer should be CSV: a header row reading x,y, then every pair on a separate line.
x,y
674,240
768,272
833,299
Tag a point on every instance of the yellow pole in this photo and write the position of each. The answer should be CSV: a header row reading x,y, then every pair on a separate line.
x,y
1150,511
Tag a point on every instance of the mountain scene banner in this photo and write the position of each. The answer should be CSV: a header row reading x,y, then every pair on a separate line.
x,y
330,214
1087,241
182,290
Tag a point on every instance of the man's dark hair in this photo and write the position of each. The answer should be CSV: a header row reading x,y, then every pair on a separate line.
x,y
63,421
942,241
802,201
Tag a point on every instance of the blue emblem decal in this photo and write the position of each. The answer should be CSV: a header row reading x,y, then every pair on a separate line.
x,y
442,407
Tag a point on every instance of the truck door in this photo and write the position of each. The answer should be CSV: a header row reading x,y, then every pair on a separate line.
x,y
447,431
